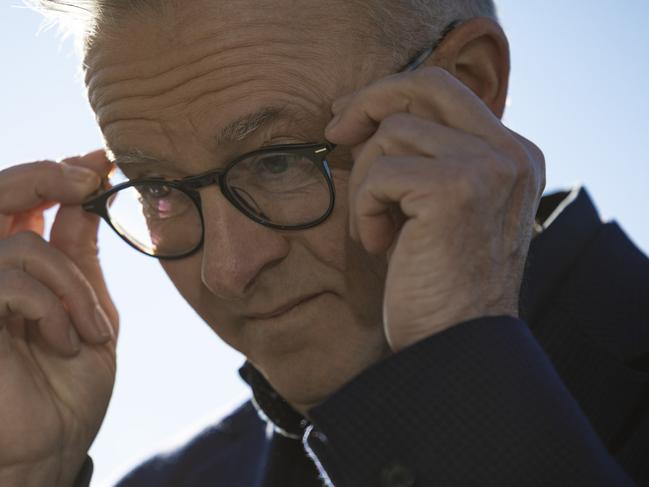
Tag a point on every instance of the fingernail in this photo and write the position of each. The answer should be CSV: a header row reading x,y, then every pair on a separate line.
x,y
74,339
80,174
102,324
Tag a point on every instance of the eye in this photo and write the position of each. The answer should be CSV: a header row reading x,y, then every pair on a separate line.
x,y
156,191
162,199
273,164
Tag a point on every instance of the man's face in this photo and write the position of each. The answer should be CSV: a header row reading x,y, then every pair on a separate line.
x,y
166,86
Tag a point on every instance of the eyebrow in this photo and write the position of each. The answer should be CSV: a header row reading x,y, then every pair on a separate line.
x,y
238,130
245,126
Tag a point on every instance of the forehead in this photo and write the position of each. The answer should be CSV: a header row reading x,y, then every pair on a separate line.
x,y
208,63
192,38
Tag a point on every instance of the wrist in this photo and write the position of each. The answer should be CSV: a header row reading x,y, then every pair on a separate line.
x,y
409,336
408,321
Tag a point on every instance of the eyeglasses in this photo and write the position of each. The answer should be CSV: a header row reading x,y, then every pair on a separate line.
x,y
284,187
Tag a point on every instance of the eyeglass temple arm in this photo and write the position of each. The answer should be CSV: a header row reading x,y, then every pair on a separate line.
x,y
419,59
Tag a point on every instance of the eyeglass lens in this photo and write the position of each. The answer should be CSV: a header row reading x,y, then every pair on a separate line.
x,y
279,188
157,219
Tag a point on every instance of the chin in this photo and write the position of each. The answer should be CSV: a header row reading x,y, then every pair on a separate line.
x,y
309,375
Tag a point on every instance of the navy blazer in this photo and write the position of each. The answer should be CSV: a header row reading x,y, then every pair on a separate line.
x,y
559,397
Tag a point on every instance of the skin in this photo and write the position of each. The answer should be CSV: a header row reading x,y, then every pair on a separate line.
x,y
436,201
59,387
234,275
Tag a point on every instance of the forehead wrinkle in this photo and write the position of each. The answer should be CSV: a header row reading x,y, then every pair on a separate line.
x,y
195,28
152,107
240,77
149,78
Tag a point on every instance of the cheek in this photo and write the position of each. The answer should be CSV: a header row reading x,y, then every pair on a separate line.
x,y
326,241
363,273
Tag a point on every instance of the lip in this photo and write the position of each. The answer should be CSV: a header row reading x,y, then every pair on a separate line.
x,y
285,308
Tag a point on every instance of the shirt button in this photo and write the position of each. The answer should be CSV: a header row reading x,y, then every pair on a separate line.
x,y
397,475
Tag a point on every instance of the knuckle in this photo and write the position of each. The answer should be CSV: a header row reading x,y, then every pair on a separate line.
x,y
16,280
526,161
521,149
390,130
404,133
381,170
395,122
542,182
384,141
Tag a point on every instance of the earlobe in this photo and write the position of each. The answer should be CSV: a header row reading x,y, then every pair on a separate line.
x,y
477,53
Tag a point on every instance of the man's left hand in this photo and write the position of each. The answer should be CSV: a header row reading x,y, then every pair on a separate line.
x,y
447,191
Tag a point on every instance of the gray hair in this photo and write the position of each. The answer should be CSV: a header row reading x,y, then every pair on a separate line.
x,y
409,25
401,25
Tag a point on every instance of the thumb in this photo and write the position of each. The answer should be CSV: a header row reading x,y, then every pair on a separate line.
x,y
74,233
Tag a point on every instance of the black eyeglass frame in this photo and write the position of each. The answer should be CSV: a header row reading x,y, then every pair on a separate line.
x,y
316,152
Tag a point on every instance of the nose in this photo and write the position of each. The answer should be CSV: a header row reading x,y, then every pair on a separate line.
x,y
236,249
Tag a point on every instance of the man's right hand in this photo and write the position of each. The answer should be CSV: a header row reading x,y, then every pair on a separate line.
x,y
58,324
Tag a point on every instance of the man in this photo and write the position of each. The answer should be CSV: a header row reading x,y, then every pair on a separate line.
x,y
341,203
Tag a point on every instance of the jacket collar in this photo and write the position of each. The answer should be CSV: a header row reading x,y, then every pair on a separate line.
x,y
568,221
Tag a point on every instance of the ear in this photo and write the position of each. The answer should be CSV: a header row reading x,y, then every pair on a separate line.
x,y
477,53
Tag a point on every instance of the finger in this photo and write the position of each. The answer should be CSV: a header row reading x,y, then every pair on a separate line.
x,y
416,188
341,103
406,134
74,233
27,222
385,191
536,158
31,220
15,325
24,296
28,186
409,135
95,161
430,93
51,267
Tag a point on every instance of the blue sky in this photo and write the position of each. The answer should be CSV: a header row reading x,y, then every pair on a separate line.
x,y
578,90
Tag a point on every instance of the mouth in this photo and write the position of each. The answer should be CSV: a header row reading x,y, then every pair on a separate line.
x,y
285,309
